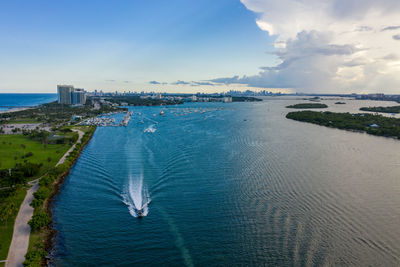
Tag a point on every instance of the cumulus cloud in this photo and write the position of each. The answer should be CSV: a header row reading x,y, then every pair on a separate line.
x,y
328,45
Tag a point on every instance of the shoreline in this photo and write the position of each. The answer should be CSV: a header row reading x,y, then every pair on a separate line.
x,y
16,109
45,237
51,234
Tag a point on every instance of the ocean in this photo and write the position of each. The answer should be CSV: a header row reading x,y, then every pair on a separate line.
x,y
8,101
232,184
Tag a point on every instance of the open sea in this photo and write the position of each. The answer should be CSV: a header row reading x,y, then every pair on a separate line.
x,y
8,101
233,184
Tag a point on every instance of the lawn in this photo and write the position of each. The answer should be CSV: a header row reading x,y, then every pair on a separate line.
x,y
11,151
7,226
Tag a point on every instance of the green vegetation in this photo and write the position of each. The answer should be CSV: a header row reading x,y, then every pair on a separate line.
x,y
20,149
54,114
138,101
307,105
11,200
49,184
314,99
39,219
369,123
340,103
245,99
21,159
393,109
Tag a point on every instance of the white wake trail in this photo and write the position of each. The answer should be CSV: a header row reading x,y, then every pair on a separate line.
x,y
136,196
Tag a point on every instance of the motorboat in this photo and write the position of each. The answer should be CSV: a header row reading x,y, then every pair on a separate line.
x,y
140,213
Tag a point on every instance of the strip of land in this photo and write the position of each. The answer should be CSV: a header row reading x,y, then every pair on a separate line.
x,y
393,109
20,239
369,123
307,106
62,160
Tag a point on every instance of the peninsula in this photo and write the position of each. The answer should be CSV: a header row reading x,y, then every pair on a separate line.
x,y
392,109
369,123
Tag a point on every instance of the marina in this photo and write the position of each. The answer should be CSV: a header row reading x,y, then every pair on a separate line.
x,y
106,121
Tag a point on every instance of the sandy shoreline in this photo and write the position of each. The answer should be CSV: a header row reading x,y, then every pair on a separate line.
x,y
13,110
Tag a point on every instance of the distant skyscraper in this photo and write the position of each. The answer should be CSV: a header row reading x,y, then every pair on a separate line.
x,y
67,94
78,97
64,94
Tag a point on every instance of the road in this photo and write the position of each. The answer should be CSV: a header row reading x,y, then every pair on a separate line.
x,y
20,239
62,160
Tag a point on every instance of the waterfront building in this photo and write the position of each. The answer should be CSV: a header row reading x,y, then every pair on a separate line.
x,y
68,95
227,99
78,97
64,94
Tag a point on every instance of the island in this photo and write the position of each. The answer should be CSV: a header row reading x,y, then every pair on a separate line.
x,y
307,106
369,123
392,109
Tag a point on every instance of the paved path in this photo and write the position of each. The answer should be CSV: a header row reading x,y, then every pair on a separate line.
x,y
20,239
62,160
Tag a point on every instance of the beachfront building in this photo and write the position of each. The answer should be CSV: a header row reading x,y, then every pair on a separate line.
x,y
64,94
78,97
68,95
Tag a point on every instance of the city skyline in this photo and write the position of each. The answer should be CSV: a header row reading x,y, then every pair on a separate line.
x,y
203,46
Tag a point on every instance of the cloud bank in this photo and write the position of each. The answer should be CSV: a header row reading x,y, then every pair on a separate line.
x,y
329,45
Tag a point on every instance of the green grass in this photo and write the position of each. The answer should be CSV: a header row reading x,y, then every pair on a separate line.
x,y
82,128
7,226
22,121
10,147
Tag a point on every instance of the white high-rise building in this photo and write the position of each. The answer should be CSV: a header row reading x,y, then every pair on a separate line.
x,y
68,95
64,94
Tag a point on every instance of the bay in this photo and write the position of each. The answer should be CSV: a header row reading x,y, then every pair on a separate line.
x,y
230,185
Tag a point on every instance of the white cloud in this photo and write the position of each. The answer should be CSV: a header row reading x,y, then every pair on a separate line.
x,y
330,45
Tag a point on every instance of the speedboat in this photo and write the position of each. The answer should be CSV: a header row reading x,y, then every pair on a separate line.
x,y
140,213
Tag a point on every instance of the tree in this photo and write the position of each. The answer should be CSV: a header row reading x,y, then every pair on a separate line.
x,y
39,220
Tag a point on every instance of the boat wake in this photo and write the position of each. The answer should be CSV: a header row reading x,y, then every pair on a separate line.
x,y
136,197
150,129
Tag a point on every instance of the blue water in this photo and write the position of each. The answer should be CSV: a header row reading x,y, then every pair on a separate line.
x,y
18,100
230,185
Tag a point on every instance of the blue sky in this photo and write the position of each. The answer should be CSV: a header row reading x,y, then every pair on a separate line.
x,y
125,44
319,46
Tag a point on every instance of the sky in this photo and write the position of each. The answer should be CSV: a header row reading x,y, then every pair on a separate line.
x,y
311,46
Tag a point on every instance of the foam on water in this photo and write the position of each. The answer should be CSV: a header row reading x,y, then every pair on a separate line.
x,y
150,129
136,196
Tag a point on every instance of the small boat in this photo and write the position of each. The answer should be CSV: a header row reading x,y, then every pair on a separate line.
x,y
140,213
162,112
